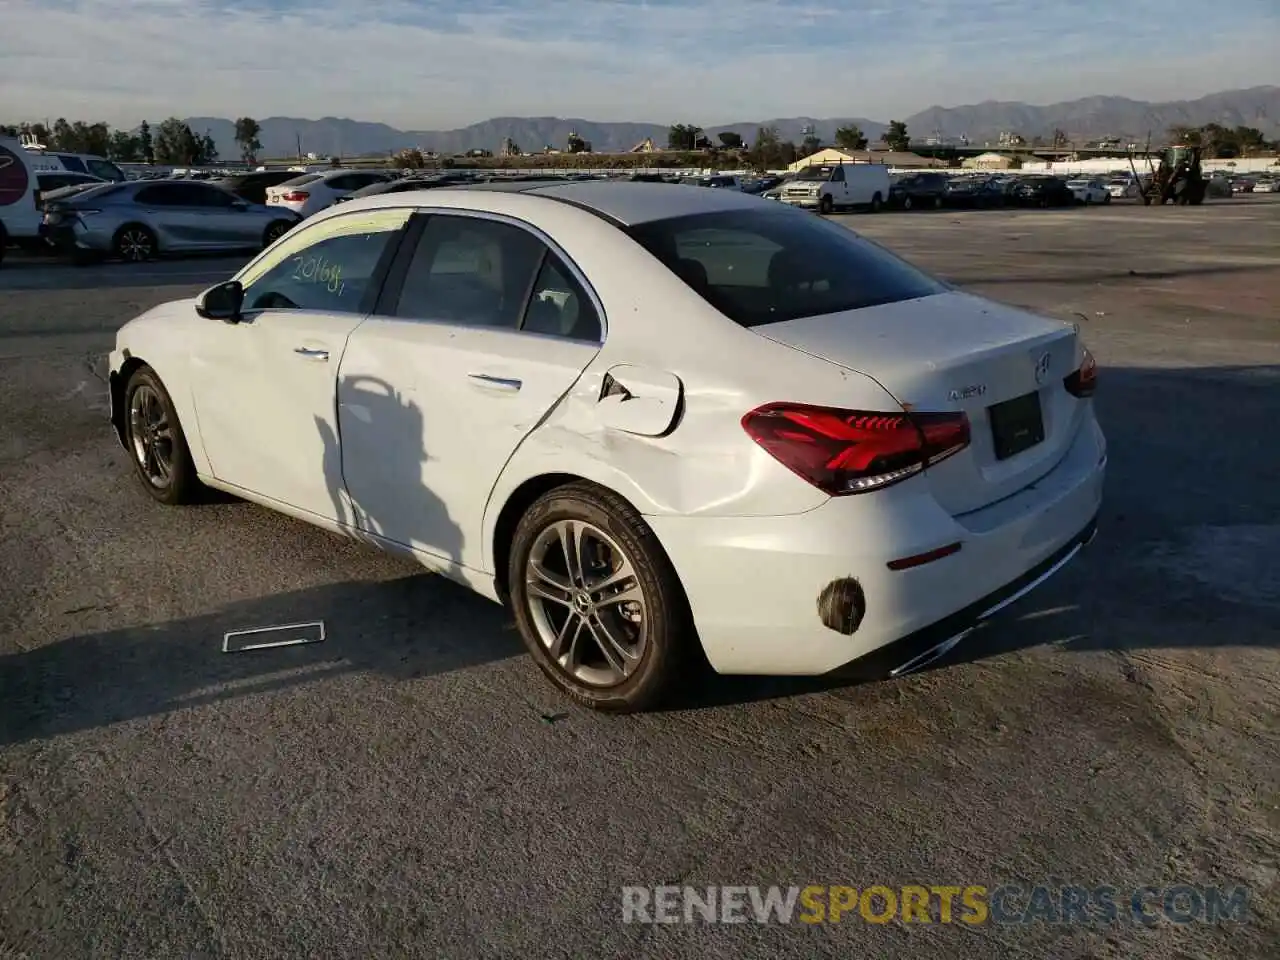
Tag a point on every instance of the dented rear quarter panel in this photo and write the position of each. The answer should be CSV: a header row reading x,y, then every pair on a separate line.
x,y
706,465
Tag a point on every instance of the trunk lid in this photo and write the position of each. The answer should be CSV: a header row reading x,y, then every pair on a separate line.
x,y
956,352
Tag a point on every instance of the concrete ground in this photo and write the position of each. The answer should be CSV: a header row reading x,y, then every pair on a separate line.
x,y
412,787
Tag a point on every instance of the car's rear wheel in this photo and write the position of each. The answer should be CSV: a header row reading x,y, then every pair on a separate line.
x,y
826,204
275,230
156,443
597,601
134,243
907,203
937,203
876,203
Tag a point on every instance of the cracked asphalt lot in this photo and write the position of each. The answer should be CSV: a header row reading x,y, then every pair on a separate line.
x,y
412,787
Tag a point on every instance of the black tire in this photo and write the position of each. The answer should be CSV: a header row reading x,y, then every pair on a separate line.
x,y
135,243
907,203
937,203
826,204
275,230
877,204
181,485
666,658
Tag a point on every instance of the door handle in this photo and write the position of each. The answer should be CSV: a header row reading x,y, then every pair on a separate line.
x,y
495,383
311,354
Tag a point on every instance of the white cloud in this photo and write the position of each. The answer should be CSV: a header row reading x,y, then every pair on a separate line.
x,y
429,64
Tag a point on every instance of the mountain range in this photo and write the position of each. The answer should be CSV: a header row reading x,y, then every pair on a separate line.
x,y
1084,119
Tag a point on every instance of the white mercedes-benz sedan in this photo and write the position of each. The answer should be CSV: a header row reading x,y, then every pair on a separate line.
x,y
660,423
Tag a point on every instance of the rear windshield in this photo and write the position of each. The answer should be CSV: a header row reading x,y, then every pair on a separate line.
x,y
767,266
304,179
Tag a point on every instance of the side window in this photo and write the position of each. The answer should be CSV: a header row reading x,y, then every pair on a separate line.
x,y
202,196
348,181
104,169
72,163
471,271
327,267
157,195
837,175
559,307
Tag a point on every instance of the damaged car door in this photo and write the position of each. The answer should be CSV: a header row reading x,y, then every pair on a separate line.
x,y
481,331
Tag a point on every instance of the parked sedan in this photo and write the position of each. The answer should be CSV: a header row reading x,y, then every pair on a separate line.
x,y
1089,191
918,190
1124,188
975,192
253,186
656,421
143,219
1043,192
310,193
1266,185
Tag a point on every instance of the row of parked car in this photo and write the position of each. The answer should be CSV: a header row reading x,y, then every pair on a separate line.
x,y
89,219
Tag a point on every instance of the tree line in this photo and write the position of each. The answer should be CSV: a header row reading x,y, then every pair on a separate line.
x,y
769,150
172,142
1222,143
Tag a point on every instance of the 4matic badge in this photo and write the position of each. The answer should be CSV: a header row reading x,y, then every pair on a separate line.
x,y
968,393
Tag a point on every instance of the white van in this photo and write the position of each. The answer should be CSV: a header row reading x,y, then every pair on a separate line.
x,y
827,187
20,214
44,160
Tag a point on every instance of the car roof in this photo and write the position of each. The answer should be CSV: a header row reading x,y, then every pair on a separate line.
x,y
630,203
626,203
623,203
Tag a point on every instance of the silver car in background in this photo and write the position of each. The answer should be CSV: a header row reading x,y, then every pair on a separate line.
x,y
143,219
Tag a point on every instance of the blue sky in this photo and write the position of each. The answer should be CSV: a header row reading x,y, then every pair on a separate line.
x,y
431,64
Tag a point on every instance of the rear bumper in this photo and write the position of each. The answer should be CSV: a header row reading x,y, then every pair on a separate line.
x,y
61,236
754,583
918,650
71,236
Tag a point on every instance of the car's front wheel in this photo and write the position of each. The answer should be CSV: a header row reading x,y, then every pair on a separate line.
x,y
597,601
156,443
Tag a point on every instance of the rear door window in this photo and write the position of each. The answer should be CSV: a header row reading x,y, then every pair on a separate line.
x,y
472,271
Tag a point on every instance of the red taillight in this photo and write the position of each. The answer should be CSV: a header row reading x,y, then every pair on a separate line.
x,y
296,196
851,451
1083,382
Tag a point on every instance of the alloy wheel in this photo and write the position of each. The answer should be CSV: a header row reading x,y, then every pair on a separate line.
x,y
151,436
586,603
135,245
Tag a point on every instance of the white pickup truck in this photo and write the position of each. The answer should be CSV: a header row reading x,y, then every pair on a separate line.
x,y
829,187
